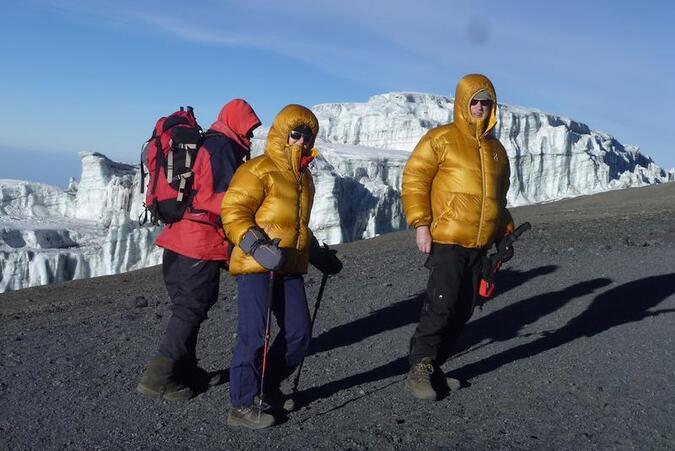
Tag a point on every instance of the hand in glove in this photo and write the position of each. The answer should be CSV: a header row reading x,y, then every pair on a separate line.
x,y
324,258
505,247
265,251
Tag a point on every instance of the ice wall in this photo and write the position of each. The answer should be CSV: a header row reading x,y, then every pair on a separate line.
x,y
551,157
48,234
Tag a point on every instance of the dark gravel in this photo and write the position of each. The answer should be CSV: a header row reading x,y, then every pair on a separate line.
x,y
576,352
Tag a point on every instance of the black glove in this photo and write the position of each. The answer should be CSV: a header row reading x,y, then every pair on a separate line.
x,y
324,258
505,248
265,251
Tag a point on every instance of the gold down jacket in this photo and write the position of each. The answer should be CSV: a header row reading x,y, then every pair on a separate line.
x,y
273,193
457,176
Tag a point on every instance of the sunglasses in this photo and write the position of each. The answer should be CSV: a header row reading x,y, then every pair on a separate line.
x,y
297,135
482,102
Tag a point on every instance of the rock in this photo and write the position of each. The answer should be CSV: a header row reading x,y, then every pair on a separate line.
x,y
140,302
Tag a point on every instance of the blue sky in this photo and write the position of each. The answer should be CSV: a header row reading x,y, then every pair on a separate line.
x,y
94,75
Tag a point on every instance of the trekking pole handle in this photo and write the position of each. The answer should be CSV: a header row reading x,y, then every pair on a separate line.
x,y
524,227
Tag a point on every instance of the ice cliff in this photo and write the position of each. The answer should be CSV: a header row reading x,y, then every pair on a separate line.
x,y
48,234
551,157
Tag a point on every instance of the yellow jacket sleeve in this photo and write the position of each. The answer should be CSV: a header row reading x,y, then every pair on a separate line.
x,y
507,220
240,204
418,174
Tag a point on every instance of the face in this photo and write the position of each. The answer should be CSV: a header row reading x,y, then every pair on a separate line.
x,y
480,108
305,140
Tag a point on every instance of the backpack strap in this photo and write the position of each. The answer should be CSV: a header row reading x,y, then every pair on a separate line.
x,y
169,166
158,162
143,217
188,159
144,155
181,187
142,176
212,134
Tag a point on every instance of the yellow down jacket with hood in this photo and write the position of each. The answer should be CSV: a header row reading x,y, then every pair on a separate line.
x,y
457,176
273,193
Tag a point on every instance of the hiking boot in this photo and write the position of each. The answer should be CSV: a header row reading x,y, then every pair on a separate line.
x,y
159,381
453,384
190,373
278,400
251,417
418,381
199,376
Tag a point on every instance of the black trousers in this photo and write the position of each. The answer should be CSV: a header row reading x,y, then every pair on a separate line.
x,y
451,293
193,288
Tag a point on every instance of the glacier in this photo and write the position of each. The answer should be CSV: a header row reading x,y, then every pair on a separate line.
x,y
48,234
551,157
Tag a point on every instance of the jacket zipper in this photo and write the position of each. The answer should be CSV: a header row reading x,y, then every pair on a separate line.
x,y
298,179
297,224
482,179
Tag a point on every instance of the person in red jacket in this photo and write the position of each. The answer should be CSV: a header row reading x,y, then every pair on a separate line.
x,y
195,250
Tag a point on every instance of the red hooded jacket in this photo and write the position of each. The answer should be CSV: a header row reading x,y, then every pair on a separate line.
x,y
198,235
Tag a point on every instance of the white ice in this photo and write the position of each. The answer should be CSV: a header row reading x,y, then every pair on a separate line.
x,y
48,234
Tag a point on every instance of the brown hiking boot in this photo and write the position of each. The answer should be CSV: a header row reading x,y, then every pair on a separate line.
x,y
418,381
159,381
251,417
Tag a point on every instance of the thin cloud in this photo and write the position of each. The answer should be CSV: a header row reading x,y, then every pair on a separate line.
x,y
300,32
189,32
585,62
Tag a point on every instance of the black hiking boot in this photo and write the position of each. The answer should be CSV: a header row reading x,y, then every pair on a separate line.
x,y
278,400
196,377
252,417
202,377
418,381
159,381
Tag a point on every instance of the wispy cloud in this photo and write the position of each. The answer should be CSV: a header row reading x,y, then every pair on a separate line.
x,y
317,35
181,29
587,61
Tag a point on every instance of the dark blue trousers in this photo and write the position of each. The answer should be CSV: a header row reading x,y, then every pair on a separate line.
x,y
193,288
289,346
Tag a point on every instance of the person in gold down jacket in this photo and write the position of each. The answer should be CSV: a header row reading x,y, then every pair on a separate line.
x,y
265,214
454,195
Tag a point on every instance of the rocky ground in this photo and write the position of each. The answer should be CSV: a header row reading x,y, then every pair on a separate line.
x,y
576,351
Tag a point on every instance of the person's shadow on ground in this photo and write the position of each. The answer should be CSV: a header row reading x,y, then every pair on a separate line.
x,y
620,305
407,312
626,303
398,315
507,322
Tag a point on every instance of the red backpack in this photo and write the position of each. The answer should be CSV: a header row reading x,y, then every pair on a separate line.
x,y
168,156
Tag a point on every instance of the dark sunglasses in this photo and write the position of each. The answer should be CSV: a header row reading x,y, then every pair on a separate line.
x,y
482,102
297,135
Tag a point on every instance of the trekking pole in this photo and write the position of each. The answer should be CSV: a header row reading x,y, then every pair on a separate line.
x,y
324,278
492,263
270,299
